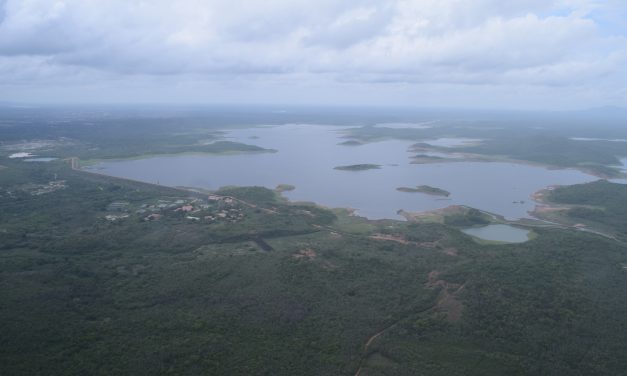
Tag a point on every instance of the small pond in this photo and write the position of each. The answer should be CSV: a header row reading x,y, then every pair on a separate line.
x,y
500,233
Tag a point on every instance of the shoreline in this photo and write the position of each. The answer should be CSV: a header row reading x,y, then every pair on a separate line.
x,y
428,215
481,158
75,164
91,162
408,216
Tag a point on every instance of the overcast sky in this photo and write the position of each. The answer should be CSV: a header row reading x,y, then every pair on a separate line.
x,y
552,54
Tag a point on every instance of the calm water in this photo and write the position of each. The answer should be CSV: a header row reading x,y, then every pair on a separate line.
x,y
423,125
502,233
449,142
40,159
307,155
598,139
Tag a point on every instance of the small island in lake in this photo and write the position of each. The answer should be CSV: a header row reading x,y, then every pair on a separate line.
x,y
358,167
350,143
284,188
424,158
229,147
425,189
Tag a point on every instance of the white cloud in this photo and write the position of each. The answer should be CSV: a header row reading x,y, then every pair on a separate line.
x,y
369,42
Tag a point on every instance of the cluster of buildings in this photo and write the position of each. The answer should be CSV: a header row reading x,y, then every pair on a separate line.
x,y
41,189
214,209
230,215
115,217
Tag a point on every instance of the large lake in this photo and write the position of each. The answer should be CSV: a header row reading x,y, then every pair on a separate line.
x,y
307,154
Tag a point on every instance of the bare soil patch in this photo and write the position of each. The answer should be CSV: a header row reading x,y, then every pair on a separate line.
x,y
306,253
447,301
401,240
450,251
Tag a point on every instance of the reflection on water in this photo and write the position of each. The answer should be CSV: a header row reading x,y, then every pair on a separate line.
x,y
423,125
41,159
598,139
307,155
451,142
501,233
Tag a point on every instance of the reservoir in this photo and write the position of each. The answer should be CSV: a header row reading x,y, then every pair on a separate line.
x,y
307,154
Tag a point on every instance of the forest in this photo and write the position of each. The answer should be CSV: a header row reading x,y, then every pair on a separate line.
x,y
334,294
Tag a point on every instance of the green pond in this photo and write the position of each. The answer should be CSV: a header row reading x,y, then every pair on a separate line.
x,y
500,233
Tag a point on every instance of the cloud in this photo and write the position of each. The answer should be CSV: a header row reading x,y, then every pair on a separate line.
x,y
416,42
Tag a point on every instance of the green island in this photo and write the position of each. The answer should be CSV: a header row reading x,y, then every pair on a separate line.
x,y
222,147
424,158
284,188
425,189
358,167
350,143
522,141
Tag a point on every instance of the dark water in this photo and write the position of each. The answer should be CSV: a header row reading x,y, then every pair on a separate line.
x,y
307,155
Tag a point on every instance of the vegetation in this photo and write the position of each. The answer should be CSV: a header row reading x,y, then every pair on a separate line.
x,y
94,136
358,167
531,141
556,151
220,147
424,158
105,276
467,218
284,188
600,204
425,189
350,143
82,294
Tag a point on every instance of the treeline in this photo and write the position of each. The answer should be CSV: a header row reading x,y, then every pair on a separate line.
x,y
607,203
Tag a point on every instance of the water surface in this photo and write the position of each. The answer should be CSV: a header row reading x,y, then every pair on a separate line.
x,y
21,155
451,142
501,233
307,154
598,139
423,125
40,159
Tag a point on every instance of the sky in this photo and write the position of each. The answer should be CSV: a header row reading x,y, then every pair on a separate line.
x,y
531,54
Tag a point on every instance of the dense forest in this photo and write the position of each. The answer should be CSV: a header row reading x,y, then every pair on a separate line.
x,y
101,275
601,203
288,289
